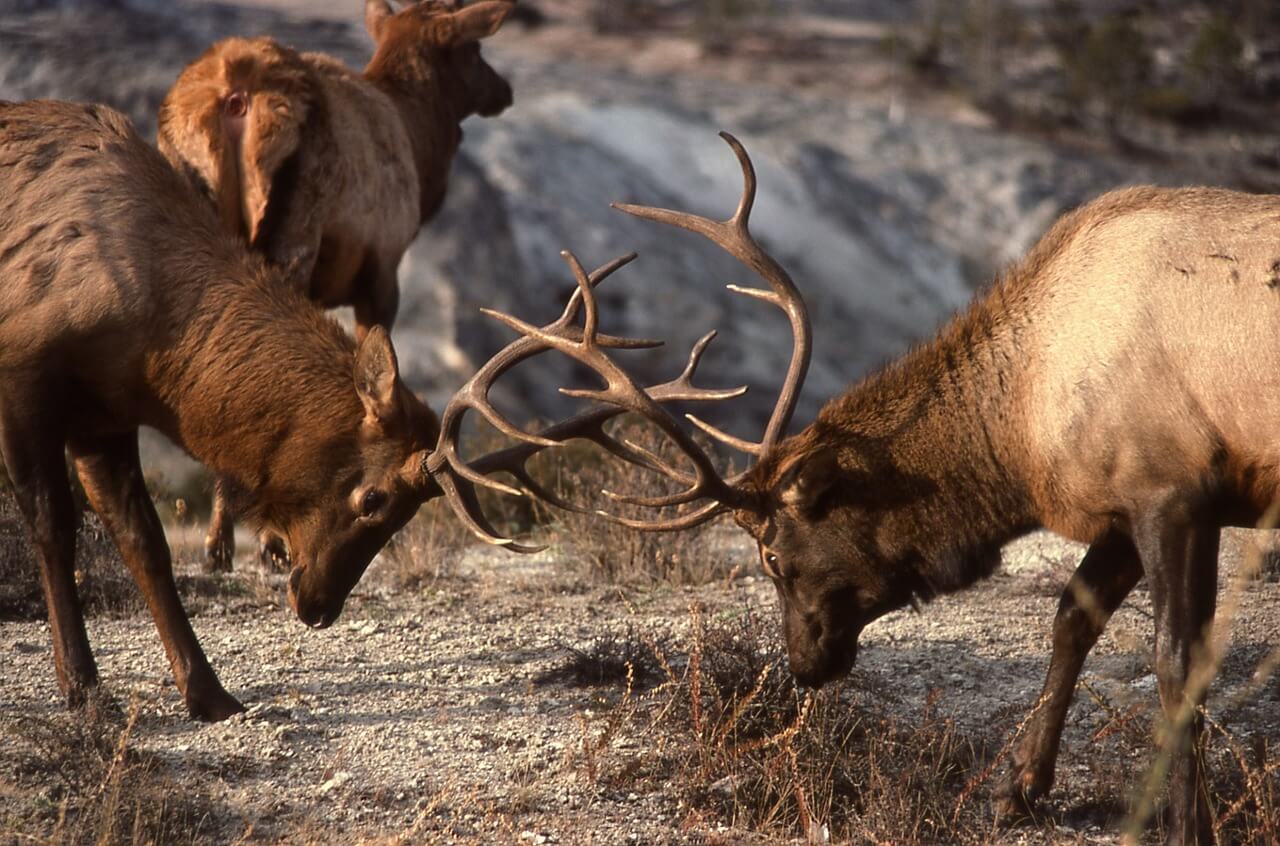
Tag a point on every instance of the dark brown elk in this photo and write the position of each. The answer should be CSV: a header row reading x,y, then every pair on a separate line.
x,y
1116,386
327,172
124,303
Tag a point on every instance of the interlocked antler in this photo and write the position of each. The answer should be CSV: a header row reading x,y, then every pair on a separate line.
x,y
620,392
457,478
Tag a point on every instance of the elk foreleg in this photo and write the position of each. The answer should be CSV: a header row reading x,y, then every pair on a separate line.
x,y
111,474
1104,578
38,472
220,542
1180,556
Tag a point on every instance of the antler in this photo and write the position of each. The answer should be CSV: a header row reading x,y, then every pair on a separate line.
x,y
457,478
734,237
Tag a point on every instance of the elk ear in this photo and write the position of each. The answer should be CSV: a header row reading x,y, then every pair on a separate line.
x,y
477,21
272,135
377,376
807,480
376,15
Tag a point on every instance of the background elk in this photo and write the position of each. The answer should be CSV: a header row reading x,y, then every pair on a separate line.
x,y
1116,386
326,172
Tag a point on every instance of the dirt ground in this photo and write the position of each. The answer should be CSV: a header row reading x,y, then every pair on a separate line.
x,y
437,716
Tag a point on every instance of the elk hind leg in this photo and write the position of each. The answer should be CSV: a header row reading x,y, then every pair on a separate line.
x,y
1104,578
111,474
1180,556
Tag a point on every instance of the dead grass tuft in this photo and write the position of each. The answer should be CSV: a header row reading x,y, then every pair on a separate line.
x,y
727,731
77,778
611,659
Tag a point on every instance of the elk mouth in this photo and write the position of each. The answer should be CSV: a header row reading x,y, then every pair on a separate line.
x,y
311,614
836,657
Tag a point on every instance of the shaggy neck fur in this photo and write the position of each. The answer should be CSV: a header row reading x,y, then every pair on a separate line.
x,y
930,456
429,116
257,377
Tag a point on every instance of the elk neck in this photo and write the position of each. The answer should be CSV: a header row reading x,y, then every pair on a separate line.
x,y
250,378
937,436
429,115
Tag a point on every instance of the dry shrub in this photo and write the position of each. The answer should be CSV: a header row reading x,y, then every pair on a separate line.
x,y
76,778
105,586
612,553
739,745
629,657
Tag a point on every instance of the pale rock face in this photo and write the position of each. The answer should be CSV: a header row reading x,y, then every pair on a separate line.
x,y
887,223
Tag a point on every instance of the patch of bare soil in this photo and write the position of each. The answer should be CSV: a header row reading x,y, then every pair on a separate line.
x,y
509,702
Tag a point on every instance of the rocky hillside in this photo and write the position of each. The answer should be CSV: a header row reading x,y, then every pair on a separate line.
x,y
888,218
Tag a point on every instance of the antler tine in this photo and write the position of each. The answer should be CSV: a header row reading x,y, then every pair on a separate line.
x,y
708,512
734,236
462,499
620,392
445,465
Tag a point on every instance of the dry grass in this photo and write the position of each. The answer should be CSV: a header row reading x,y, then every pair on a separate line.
x,y
728,732
718,723
76,778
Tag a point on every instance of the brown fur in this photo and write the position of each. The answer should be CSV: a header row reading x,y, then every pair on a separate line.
x,y
1117,386
123,303
330,173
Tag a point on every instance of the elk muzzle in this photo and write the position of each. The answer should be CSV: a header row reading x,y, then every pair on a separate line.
x,y
817,658
497,97
312,607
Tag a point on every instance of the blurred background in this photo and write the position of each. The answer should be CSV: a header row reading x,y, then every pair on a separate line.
x,y
907,150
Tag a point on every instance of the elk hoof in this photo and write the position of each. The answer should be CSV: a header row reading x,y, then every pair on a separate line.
x,y
210,703
273,554
218,553
1015,802
83,693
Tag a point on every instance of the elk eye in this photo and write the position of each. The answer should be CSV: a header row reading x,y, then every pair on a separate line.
x,y
771,564
371,502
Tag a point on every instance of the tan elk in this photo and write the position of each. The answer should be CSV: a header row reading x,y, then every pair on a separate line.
x,y
327,172
1118,386
125,303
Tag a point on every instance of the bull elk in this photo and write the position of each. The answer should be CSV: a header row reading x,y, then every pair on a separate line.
x,y
124,303
1117,386
326,172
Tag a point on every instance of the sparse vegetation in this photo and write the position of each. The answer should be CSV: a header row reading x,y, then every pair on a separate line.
x,y
78,778
731,735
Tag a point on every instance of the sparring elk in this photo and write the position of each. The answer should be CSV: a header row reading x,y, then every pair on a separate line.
x,y
125,303
1117,386
326,172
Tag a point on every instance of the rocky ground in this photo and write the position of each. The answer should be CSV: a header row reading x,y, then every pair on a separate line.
x,y
461,712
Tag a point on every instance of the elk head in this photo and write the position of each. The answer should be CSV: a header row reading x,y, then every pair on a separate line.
x,y
440,40
372,465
